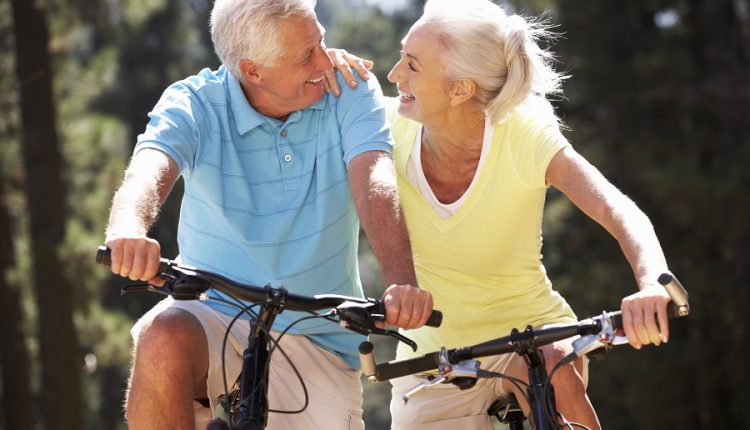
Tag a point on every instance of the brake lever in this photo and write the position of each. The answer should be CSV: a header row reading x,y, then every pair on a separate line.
x,y
166,289
137,288
396,335
182,284
447,372
360,317
606,338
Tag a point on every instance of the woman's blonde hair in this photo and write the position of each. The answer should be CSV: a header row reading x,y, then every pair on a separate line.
x,y
499,52
248,29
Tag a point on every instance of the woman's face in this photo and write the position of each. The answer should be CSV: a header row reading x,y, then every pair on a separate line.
x,y
420,77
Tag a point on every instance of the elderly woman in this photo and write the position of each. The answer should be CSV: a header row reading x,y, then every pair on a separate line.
x,y
477,145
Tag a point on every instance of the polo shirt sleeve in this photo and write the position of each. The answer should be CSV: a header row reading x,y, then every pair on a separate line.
x,y
173,127
362,118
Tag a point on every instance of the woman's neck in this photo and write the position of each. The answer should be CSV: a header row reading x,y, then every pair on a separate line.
x,y
455,138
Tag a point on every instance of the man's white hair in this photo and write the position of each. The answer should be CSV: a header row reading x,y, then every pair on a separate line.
x,y
248,29
498,52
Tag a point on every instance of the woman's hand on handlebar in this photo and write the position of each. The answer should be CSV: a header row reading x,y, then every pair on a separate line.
x,y
136,258
644,316
407,306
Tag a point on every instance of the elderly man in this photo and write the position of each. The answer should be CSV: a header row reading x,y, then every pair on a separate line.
x,y
278,176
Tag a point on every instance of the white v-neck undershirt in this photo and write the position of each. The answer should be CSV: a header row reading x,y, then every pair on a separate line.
x,y
416,175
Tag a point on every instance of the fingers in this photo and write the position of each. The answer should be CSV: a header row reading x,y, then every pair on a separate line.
x,y
407,306
330,84
663,317
367,64
424,311
346,64
326,85
134,258
346,71
362,68
152,263
644,317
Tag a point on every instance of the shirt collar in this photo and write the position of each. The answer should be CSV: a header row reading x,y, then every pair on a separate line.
x,y
246,118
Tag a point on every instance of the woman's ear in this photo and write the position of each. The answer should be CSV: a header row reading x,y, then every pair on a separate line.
x,y
462,90
250,71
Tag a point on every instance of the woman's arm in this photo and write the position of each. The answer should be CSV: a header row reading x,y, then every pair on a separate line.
x,y
645,312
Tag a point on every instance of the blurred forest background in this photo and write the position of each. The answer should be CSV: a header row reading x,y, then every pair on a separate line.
x,y
659,100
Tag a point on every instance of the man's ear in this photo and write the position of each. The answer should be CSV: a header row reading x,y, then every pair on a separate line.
x,y
462,90
250,71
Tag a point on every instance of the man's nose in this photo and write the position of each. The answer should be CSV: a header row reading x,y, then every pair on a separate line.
x,y
324,61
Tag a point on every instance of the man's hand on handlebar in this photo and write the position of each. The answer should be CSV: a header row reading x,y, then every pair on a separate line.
x,y
136,258
407,306
644,316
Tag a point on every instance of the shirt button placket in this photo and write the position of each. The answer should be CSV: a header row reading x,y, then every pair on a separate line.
x,y
287,157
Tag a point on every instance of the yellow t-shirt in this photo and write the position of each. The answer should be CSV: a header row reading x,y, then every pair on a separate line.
x,y
483,264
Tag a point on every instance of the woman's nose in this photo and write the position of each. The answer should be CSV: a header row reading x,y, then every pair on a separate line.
x,y
392,78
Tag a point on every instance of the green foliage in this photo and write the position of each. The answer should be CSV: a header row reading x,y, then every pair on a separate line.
x,y
138,12
374,36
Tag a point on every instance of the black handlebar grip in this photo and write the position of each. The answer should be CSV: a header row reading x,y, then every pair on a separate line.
x,y
435,319
103,256
409,366
616,318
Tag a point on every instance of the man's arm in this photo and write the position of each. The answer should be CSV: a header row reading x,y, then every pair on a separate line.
x,y
373,185
148,181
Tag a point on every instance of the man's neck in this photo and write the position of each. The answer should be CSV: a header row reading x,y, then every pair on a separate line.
x,y
254,96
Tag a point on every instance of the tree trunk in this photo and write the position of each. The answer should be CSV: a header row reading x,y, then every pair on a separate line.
x,y
14,360
61,369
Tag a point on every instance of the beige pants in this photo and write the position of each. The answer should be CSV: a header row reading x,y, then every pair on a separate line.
x,y
333,388
445,406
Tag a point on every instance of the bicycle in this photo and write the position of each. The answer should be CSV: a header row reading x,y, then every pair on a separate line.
x,y
460,367
247,406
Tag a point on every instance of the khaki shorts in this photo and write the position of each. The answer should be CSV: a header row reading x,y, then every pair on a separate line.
x,y
333,388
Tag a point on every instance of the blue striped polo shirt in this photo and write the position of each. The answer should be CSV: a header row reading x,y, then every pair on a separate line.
x,y
268,201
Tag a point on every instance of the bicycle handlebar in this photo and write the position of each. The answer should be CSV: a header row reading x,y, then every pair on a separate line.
x,y
188,283
602,327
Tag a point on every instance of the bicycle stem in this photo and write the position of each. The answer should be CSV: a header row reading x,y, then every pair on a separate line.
x,y
253,406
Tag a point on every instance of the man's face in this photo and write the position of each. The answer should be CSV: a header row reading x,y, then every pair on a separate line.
x,y
296,81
